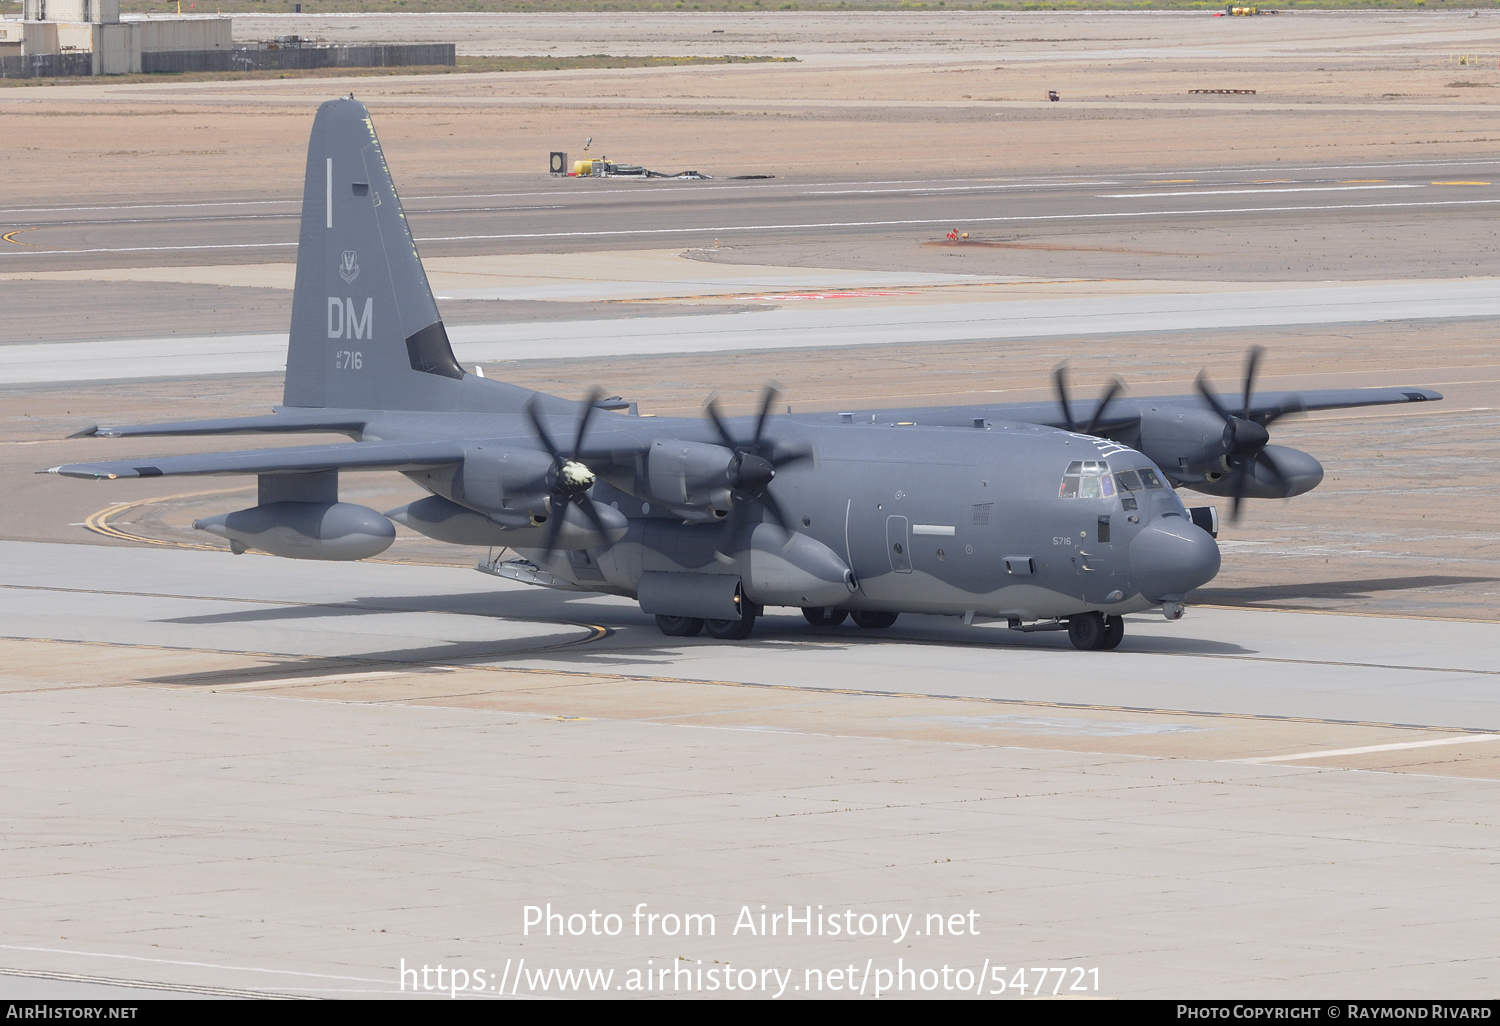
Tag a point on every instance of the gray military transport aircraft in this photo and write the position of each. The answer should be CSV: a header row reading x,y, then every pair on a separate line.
x,y
1049,516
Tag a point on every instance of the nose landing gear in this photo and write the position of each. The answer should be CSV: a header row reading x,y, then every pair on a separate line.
x,y
1095,631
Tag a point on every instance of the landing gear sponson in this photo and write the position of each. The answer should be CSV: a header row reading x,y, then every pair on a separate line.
x,y
1087,631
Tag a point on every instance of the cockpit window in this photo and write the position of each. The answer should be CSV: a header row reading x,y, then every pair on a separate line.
x,y
1137,480
1087,479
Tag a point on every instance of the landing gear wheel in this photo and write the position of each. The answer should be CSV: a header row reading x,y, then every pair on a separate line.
x,y
1114,633
1086,631
822,616
873,621
733,630
679,626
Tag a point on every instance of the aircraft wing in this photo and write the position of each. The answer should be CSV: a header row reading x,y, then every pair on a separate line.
x,y
347,422
291,460
1125,412
1335,398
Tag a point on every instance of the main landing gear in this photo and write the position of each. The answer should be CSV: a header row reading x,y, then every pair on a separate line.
x,y
1096,631
724,630
679,626
821,616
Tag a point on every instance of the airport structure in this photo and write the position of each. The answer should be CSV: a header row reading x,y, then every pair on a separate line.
x,y
87,37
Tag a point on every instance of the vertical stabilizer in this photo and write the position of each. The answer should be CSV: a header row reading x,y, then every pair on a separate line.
x,y
365,332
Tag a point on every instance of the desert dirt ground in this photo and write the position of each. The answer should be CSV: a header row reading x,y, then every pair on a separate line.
x,y
871,95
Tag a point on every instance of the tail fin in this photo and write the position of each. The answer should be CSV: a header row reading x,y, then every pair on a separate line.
x,y
366,333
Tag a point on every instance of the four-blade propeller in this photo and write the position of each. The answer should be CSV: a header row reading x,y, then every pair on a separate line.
x,y
754,466
1060,378
1243,444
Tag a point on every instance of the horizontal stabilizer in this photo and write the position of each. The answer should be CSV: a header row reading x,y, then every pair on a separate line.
x,y
291,460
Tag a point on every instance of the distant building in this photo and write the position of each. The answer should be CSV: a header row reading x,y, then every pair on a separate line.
x,y
87,37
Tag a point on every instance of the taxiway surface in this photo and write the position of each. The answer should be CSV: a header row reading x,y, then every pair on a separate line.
x,y
233,776
797,326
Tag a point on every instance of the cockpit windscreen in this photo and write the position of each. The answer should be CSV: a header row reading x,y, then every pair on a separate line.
x,y
1095,479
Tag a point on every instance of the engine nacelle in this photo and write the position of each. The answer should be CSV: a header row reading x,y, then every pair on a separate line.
x,y
1301,473
1176,437
794,570
304,530
688,473
498,479
775,569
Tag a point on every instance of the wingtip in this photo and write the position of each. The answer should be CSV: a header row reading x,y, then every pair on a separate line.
x,y
88,432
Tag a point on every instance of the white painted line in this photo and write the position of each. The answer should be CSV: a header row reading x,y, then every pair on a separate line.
x,y
727,229
1401,746
952,188
936,530
198,965
149,206
150,249
1240,192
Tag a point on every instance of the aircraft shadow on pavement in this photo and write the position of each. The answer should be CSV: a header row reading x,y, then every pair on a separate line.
x,y
629,636
544,605
638,645
1271,593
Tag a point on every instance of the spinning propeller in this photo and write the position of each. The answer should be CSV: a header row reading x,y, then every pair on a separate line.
x,y
753,466
570,478
1060,376
1245,437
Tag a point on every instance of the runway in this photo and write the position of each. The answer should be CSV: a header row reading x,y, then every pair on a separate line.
x,y
591,215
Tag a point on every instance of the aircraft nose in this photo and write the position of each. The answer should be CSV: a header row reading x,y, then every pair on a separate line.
x,y
1171,556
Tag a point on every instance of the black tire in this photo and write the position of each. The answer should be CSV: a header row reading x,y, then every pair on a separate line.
x,y
1086,631
732,630
873,621
822,616
1114,633
679,626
